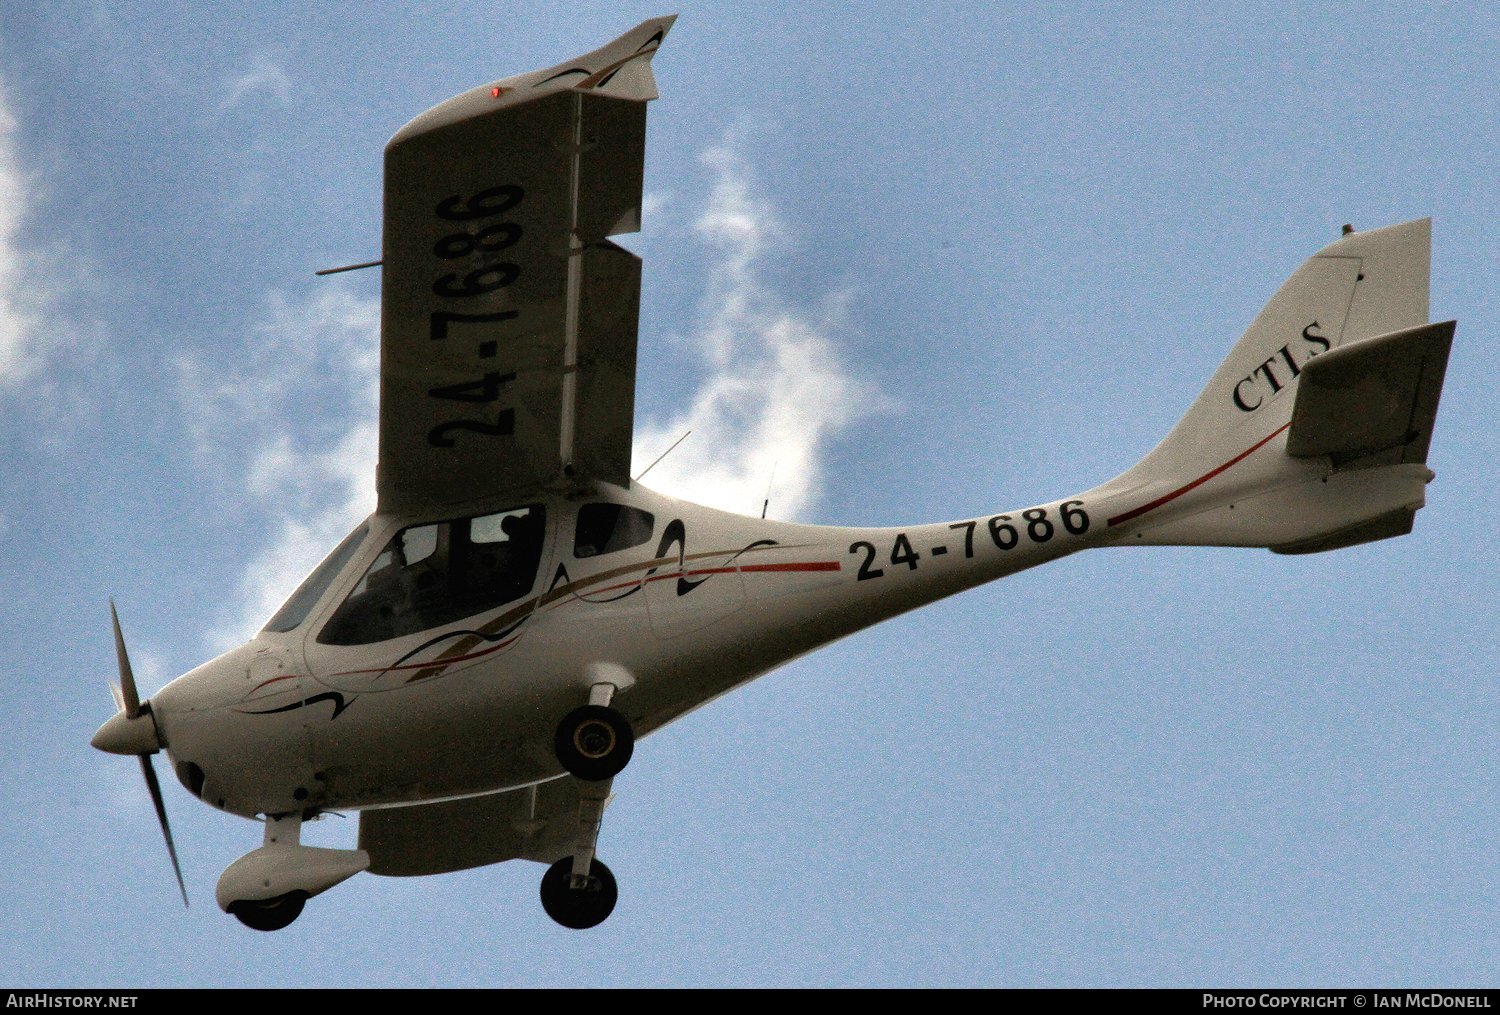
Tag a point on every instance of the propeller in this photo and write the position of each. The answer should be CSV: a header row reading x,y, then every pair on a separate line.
x,y
133,730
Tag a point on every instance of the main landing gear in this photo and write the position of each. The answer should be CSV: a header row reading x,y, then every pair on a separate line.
x,y
594,743
584,906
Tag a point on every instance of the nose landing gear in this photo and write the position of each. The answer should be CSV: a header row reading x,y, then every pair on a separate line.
x,y
266,888
269,914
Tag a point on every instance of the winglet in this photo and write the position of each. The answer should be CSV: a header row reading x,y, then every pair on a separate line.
x,y
621,69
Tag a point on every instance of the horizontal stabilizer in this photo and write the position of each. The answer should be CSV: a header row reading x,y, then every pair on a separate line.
x,y
1372,402
1387,526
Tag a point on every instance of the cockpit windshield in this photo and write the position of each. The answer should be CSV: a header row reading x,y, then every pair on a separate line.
x,y
296,609
431,575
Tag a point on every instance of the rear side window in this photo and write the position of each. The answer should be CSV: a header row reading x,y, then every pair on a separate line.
x,y
605,528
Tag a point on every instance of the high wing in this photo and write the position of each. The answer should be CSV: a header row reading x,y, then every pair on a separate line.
x,y
508,320
535,823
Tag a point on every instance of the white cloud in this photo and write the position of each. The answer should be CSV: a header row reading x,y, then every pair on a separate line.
x,y
331,491
22,296
776,390
147,665
313,476
263,76
654,203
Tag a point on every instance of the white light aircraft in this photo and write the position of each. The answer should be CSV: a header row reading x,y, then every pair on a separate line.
x,y
469,669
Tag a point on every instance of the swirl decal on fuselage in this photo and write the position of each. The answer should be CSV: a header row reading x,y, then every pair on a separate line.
x,y
671,561
339,704
492,639
676,535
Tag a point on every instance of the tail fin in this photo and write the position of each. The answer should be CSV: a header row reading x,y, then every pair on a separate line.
x,y
1313,433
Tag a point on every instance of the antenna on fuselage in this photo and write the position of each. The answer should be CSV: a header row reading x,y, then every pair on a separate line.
x,y
767,502
659,457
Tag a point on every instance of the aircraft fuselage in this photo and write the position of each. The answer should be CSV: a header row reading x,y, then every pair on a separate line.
x,y
707,602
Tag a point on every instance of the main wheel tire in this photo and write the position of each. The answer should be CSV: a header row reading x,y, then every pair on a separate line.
x,y
269,914
578,908
594,742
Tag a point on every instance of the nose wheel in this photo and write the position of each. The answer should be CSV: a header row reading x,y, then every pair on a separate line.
x,y
594,742
578,902
269,914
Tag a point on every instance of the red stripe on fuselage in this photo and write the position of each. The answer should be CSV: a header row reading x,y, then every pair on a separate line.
x,y
1158,502
817,565
263,683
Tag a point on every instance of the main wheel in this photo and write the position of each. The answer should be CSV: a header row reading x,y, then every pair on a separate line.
x,y
269,914
578,908
594,742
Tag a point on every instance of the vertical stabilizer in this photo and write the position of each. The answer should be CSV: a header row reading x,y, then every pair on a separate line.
x,y
1224,475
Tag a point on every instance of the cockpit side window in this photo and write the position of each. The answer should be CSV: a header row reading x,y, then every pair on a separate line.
x,y
605,528
296,609
431,575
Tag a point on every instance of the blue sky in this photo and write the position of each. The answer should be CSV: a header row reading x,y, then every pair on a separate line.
x,y
1009,244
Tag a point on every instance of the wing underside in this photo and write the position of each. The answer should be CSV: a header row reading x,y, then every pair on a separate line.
x,y
535,823
508,327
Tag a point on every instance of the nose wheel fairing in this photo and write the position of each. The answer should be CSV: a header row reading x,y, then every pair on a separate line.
x,y
266,888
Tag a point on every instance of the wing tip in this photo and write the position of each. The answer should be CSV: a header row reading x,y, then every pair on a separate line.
x,y
620,68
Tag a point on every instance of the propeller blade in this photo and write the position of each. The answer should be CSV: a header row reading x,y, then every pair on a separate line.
x,y
161,815
127,678
120,736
